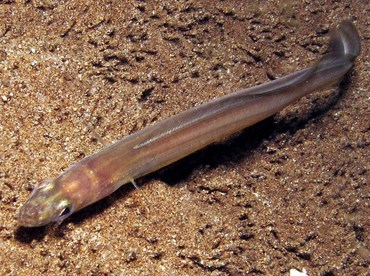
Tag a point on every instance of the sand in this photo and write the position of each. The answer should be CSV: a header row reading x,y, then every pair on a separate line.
x,y
291,192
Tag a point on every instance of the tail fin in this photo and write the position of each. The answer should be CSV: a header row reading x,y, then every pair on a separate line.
x,y
345,40
345,47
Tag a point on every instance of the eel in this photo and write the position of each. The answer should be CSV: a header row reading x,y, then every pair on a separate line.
x,y
158,145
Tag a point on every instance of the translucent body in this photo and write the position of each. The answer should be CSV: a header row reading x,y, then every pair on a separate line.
x,y
156,146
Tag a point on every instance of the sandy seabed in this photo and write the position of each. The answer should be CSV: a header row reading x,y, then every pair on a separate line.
x,y
289,192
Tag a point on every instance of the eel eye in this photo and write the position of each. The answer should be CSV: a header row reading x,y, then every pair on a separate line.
x,y
65,213
63,210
